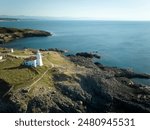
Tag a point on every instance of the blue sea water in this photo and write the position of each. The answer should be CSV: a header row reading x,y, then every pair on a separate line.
x,y
120,43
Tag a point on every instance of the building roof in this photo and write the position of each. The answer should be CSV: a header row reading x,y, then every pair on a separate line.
x,y
32,58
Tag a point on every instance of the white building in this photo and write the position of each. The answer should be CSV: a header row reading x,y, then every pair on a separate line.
x,y
1,57
11,50
34,61
31,61
39,58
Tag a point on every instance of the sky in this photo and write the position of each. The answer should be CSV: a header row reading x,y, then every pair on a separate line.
x,y
88,9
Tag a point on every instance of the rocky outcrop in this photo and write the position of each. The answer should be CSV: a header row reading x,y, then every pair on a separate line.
x,y
115,83
54,49
88,55
10,34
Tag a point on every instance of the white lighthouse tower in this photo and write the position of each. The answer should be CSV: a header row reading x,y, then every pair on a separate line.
x,y
39,59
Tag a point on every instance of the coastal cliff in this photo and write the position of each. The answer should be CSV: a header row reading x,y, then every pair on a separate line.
x,y
69,84
10,34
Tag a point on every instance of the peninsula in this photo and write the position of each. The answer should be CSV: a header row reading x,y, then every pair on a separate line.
x,y
10,34
68,84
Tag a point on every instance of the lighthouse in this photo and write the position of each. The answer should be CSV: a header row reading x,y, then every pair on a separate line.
x,y
39,61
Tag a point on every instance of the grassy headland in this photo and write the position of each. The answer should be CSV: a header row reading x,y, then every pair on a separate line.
x,y
68,84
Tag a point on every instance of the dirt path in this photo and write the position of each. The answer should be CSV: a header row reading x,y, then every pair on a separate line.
x,y
30,87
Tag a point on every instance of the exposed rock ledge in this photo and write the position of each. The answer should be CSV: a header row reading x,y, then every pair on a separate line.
x,y
10,34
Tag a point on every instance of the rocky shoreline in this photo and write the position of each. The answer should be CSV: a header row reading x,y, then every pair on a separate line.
x,y
116,90
92,87
10,34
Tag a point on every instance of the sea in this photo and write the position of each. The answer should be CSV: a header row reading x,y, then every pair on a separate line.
x,y
124,44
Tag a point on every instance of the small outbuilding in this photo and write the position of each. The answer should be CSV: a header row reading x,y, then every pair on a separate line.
x,y
34,61
11,50
1,57
31,61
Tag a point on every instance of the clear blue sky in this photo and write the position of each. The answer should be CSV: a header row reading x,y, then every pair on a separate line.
x,y
93,9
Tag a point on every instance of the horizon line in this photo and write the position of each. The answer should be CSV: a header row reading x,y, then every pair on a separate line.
x,y
72,18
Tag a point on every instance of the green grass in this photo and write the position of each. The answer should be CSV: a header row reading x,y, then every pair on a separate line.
x,y
57,59
20,76
14,73
46,82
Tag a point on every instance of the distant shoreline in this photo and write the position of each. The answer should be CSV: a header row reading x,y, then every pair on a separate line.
x,y
11,34
18,18
8,19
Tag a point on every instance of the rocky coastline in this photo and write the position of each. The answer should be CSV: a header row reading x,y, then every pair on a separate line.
x,y
92,87
117,92
10,34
